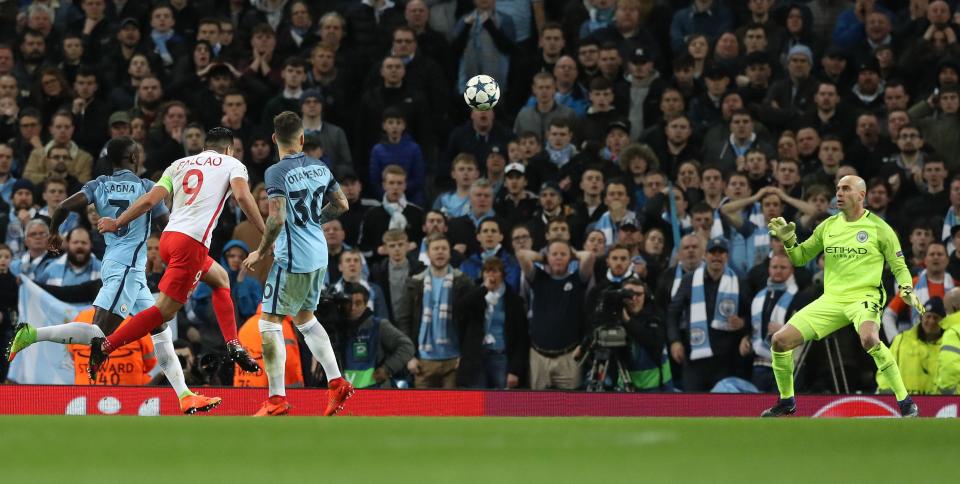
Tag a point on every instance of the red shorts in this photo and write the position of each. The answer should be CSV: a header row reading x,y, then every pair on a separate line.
x,y
187,260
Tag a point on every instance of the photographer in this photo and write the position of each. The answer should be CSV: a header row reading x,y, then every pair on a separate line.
x,y
372,350
647,362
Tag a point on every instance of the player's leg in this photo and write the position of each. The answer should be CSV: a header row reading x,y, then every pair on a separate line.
x,y
137,327
865,316
216,277
816,320
317,339
274,349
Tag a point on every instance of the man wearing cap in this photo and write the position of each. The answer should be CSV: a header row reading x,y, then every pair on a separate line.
x,y
551,206
119,125
294,74
706,321
331,137
641,98
21,211
917,352
948,360
867,93
515,203
793,96
705,108
496,165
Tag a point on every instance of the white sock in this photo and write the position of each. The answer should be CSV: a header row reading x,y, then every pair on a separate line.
x,y
319,344
70,333
168,361
274,356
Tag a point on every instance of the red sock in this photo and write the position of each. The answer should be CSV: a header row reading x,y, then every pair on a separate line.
x,y
223,308
136,328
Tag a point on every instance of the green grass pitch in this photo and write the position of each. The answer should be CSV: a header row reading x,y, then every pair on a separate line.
x,y
55,449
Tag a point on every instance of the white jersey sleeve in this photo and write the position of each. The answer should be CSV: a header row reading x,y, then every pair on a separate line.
x,y
201,185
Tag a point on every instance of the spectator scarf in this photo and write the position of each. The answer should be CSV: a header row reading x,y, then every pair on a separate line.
x,y
949,221
431,333
395,211
160,40
923,291
761,344
758,245
726,305
610,228
562,156
738,150
599,18
487,254
423,257
617,280
494,319
272,9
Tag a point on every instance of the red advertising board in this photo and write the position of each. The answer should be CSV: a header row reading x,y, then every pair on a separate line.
x,y
150,401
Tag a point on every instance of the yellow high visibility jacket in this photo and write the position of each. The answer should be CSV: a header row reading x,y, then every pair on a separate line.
x,y
948,378
917,360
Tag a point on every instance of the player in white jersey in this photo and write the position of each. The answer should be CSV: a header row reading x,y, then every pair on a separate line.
x,y
200,185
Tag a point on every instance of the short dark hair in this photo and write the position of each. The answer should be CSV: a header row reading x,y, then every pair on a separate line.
x,y
600,84
351,288
295,61
287,126
263,28
489,220
491,264
393,112
118,149
218,138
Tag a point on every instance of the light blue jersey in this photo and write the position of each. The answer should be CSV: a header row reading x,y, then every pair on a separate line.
x,y
301,246
112,195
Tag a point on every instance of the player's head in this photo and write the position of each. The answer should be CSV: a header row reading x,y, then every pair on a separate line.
x,y
851,191
123,153
219,139
288,131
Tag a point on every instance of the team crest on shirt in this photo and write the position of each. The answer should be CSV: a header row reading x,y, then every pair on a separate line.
x,y
862,236
697,337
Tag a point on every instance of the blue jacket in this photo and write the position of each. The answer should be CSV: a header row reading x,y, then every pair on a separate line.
x,y
472,267
407,154
712,23
850,31
246,295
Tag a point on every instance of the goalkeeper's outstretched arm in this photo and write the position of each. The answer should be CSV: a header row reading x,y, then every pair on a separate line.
x,y
799,254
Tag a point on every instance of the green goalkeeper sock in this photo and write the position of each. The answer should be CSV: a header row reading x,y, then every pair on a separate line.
x,y
783,372
888,369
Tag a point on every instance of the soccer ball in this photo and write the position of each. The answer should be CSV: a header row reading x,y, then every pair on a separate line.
x,y
482,93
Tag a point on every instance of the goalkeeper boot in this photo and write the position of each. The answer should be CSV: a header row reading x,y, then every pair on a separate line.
x,y
275,406
908,408
238,354
98,358
26,336
194,402
339,391
784,407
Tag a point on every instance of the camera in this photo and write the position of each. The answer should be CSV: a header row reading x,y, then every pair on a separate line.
x,y
334,306
210,364
609,331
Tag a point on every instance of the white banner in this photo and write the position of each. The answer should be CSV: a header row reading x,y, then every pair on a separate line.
x,y
43,363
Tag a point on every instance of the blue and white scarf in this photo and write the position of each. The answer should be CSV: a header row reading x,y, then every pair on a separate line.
x,y
423,257
431,333
395,211
617,280
741,150
758,245
491,253
494,320
610,229
922,290
727,304
160,40
949,221
562,156
761,345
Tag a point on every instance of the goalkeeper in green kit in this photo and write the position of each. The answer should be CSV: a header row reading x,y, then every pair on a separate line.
x,y
855,244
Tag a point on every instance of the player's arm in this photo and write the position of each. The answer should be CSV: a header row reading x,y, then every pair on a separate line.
x,y
799,254
276,217
890,245
587,259
337,206
73,203
140,207
241,192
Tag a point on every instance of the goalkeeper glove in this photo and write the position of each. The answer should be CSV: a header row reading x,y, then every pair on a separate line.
x,y
911,298
786,232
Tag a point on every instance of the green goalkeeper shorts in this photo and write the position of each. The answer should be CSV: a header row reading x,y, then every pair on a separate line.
x,y
824,316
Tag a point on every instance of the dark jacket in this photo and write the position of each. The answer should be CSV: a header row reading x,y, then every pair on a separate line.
x,y
376,221
515,331
380,275
393,347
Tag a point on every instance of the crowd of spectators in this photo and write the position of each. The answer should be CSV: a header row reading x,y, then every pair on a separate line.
x,y
637,143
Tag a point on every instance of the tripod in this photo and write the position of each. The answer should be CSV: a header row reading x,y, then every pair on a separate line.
x,y
603,357
833,351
